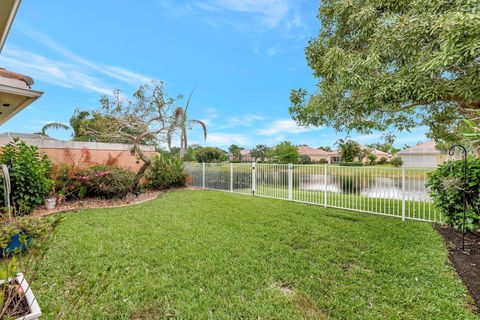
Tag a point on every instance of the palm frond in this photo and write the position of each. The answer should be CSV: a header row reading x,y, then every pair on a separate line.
x,y
53,125
201,124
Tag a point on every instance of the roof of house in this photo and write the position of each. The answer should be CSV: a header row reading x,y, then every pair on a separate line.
x,y
314,152
428,147
245,152
35,136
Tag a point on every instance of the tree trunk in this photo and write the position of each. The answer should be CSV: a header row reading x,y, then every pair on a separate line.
x,y
143,168
139,176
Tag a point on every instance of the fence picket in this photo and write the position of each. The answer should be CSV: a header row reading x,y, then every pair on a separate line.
x,y
394,192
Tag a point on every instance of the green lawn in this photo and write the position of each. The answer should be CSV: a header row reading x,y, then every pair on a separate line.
x,y
216,255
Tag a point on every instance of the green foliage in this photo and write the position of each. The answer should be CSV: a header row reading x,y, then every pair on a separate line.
x,y
94,126
210,154
371,158
305,159
286,152
166,171
383,160
351,164
397,162
29,175
105,181
325,148
190,155
349,150
400,64
260,152
67,182
235,151
446,187
322,161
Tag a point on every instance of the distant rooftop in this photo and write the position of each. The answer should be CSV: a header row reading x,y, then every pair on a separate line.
x,y
34,136
428,147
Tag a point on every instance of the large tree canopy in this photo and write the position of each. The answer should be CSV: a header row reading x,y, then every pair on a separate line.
x,y
393,65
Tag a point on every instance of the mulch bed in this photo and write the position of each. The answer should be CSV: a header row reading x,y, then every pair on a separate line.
x,y
467,263
94,203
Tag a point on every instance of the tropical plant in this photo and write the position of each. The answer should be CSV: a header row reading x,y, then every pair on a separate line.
x,y
150,116
105,181
447,186
393,64
183,123
371,158
396,162
348,150
472,132
166,172
260,152
305,159
383,160
286,152
236,152
29,175
53,125
210,154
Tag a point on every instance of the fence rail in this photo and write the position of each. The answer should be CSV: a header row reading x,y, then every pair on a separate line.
x,y
398,192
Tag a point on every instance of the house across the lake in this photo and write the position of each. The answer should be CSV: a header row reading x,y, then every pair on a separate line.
x,y
423,155
319,154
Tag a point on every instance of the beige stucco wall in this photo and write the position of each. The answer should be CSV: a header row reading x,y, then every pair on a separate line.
x,y
85,157
85,154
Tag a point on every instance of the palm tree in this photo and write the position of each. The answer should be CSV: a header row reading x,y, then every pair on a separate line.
x,y
183,123
52,125
348,150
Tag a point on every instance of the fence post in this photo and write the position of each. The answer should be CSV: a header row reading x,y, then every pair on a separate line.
x,y
290,181
203,175
254,178
231,177
403,193
325,186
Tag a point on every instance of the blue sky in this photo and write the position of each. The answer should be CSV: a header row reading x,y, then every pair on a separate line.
x,y
243,57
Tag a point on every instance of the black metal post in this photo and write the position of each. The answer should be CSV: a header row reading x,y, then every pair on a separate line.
x,y
451,152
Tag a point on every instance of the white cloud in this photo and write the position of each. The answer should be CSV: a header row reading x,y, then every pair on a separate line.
x,y
271,11
59,73
246,120
283,126
115,72
226,139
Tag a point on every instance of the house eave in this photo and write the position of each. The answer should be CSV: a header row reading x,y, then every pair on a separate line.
x,y
5,28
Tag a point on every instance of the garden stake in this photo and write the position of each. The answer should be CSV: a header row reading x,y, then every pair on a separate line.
x,y
451,152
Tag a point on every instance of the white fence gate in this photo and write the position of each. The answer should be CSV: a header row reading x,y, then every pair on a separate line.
x,y
397,192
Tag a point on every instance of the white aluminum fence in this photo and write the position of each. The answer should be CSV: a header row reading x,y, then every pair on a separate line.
x,y
398,192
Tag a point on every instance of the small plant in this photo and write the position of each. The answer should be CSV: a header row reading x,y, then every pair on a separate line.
x,y
305,159
447,186
383,160
371,159
29,175
166,172
323,161
396,162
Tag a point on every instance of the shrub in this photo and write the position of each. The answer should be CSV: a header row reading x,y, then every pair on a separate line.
x,y
323,161
105,181
210,154
397,162
383,160
371,158
305,159
29,175
446,189
351,164
67,183
166,171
